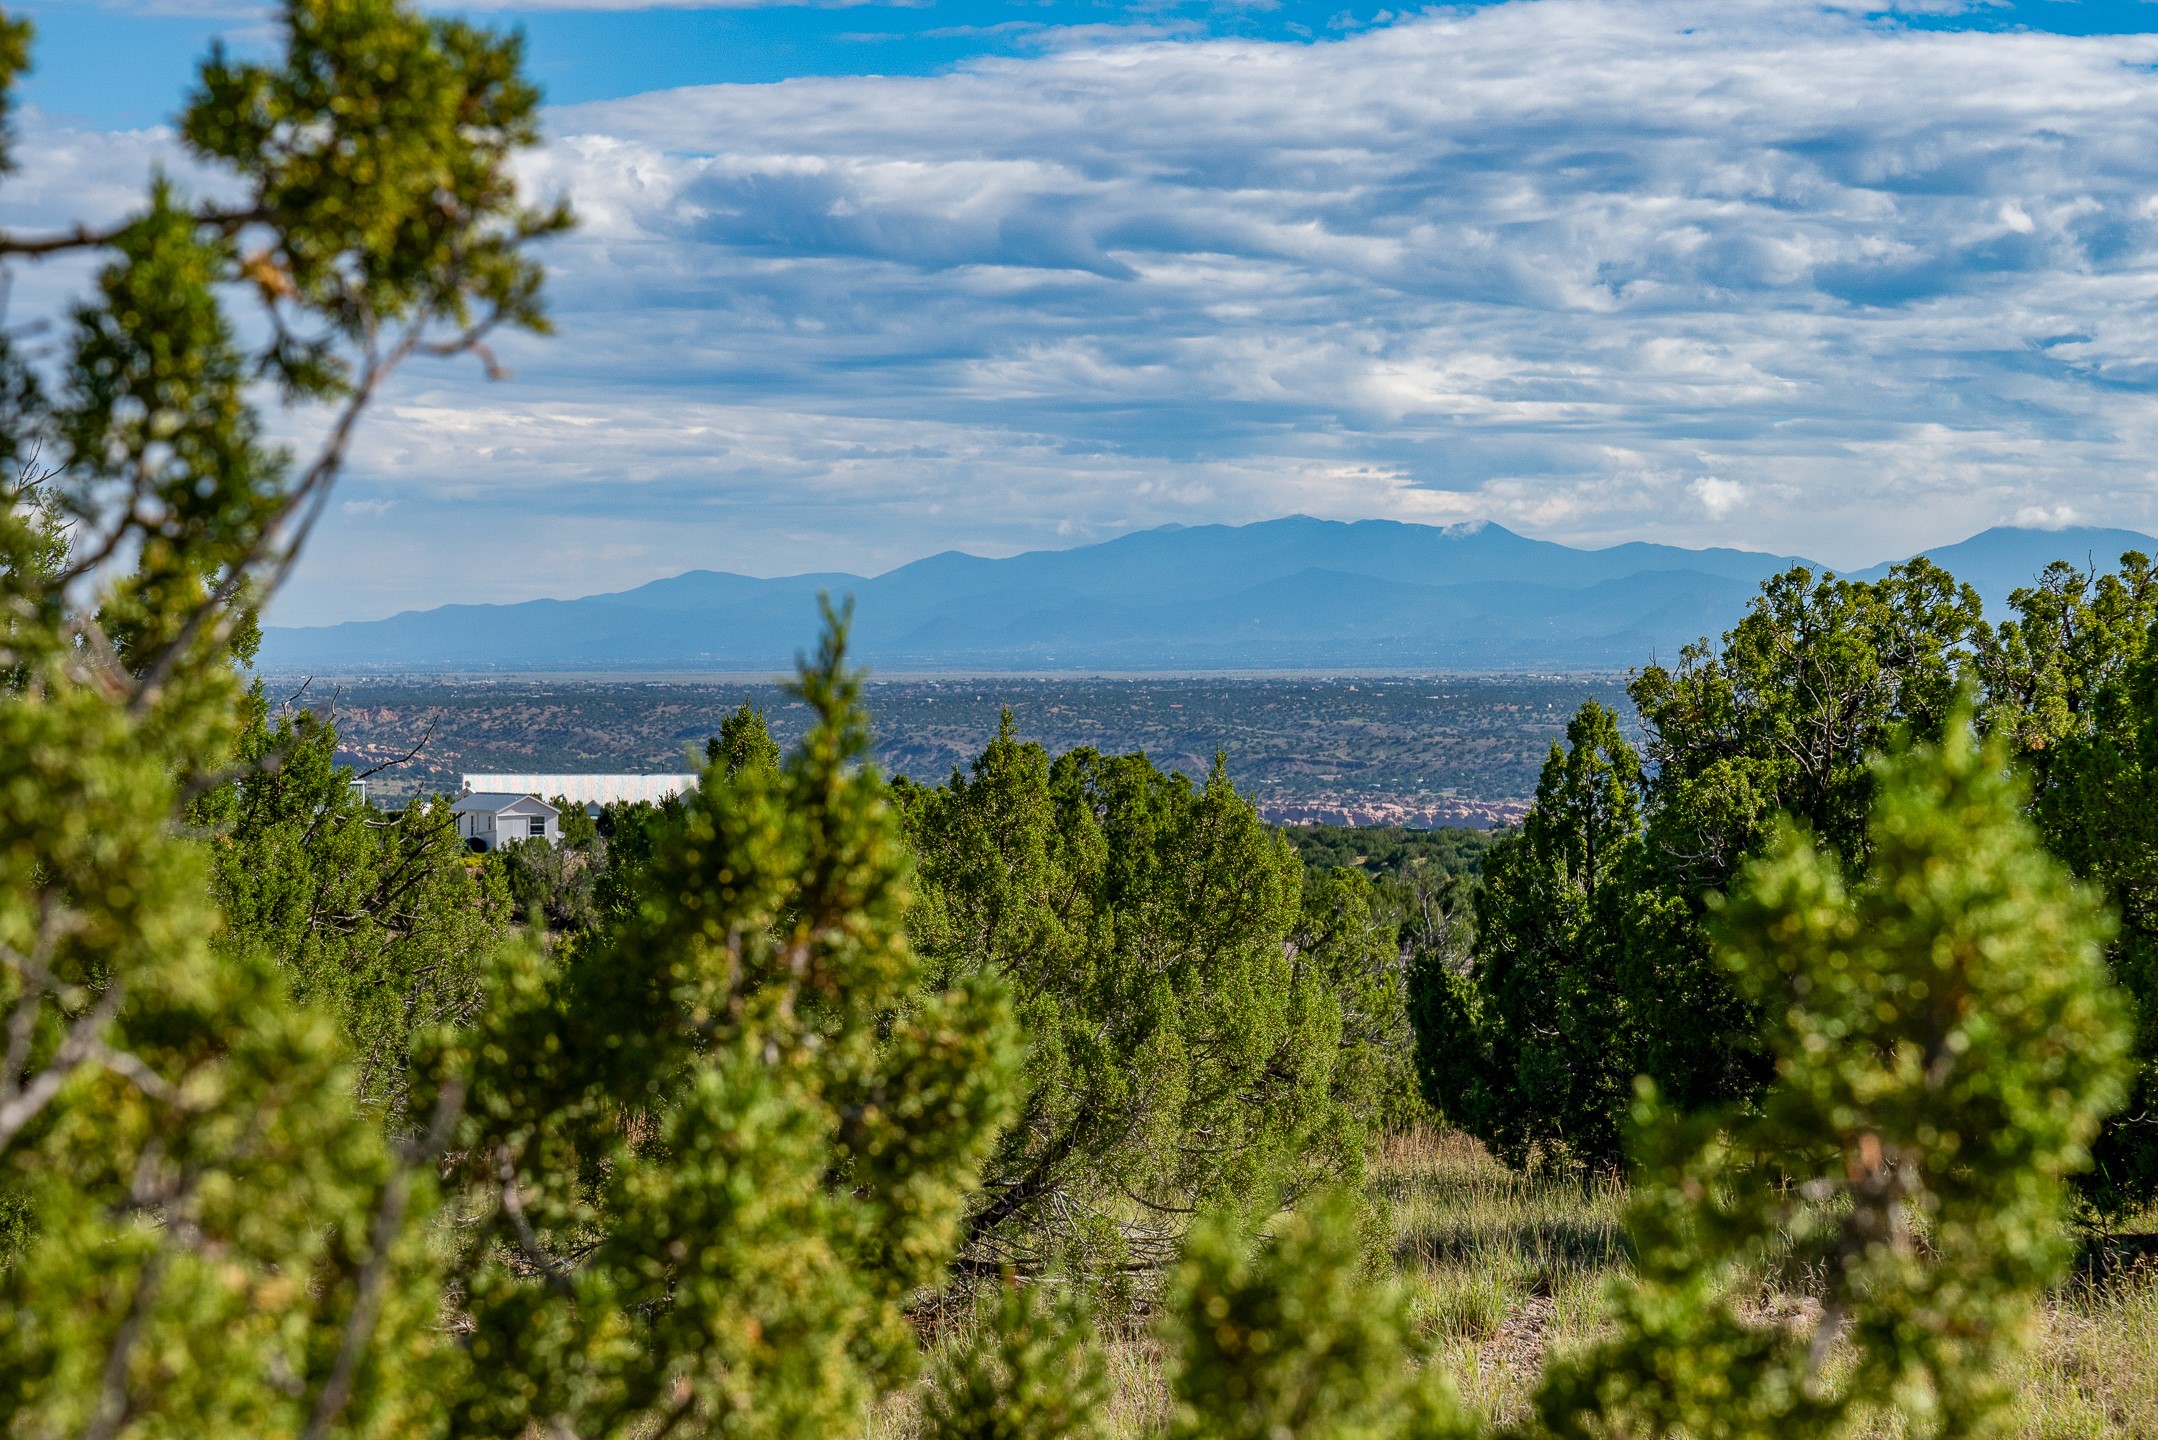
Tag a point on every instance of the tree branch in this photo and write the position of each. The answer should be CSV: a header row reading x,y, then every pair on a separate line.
x,y
513,1206
82,237
85,1038
311,493
407,757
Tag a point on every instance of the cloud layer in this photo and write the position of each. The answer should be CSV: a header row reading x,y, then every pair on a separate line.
x,y
1742,273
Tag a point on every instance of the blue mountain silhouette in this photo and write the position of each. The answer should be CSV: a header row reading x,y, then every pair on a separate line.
x,y
1295,593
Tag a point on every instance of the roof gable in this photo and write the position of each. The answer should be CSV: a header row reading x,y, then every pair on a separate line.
x,y
497,803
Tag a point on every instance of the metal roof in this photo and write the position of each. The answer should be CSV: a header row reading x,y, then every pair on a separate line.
x,y
489,802
585,789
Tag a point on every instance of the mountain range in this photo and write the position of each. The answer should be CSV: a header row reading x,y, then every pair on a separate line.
x,y
1289,594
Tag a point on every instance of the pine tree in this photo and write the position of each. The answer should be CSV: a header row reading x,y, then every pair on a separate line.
x,y
1350,934
1181,1052
1592,957
373,917
1945,1039
1032,1370
743,740
209,1231
1531,1048
721,1150
1782,719
2072,683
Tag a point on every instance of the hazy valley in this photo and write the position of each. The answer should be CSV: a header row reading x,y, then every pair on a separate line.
x,y
1401,751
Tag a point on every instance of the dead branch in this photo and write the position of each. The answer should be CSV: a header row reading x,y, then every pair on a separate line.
x,y
405,759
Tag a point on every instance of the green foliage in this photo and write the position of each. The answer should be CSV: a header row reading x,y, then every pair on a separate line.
x,y
1945,1041
155,417
1180,1052
1293,1339
290,1144
209,1233
376,918
1406,898
631,832
1593,962
2073,686
203,1230
380,148
1783,719
1786,716
1529,1048
33,553
729,1141
551,886
1349,935
1390,850
1032,1371
2049,672
580,827
194,1186
743,740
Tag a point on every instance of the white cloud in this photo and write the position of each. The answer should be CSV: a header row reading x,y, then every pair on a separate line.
x,y
1718,497
1748,272
2047,517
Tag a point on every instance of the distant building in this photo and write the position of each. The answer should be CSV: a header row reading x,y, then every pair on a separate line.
x,y
584,789
488,820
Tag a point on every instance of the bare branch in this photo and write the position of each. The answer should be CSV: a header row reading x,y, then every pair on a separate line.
x,y
513,1206
132,1068
53,922
407,757
311,494
109,672
82,237
81,1044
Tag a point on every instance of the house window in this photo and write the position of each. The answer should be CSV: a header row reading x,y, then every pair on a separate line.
x,y
539,827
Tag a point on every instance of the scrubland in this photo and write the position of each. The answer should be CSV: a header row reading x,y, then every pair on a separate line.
x,y
1505,1267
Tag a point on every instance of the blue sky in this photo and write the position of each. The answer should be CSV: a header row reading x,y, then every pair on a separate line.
x,y
859,283
119,62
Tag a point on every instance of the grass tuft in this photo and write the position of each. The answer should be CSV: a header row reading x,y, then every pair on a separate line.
x,y
1503,1268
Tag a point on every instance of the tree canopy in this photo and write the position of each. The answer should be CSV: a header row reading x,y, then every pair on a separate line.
x,y
1183,1050
1945,1038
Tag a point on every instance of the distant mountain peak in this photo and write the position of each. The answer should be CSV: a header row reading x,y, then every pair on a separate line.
x,y
2006,558
1296,592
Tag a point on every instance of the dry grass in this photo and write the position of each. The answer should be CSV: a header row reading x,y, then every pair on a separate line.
x,y
2094,1370
1507,1267
1502,1268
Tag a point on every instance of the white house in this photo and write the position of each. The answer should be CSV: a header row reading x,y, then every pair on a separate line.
x,y
490,819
